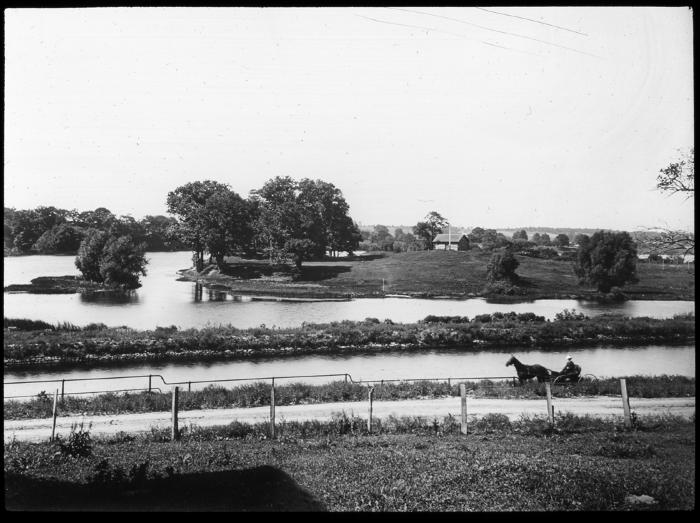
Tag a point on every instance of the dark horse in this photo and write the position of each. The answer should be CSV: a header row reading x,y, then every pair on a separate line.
x,y
526,372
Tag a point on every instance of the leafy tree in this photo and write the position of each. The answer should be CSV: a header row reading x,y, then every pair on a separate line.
x,y
114,260
432,226
608,259
122,262
580,238
502,266
476,235
101,218
542,239
303,219
90,254
160,234
187,202
63,238
226,219
493,239
520,235
561,240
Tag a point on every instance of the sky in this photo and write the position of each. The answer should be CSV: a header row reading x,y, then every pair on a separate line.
x,y
493,117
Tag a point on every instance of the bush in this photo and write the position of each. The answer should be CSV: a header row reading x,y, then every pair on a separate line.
x,y
502,267
79,443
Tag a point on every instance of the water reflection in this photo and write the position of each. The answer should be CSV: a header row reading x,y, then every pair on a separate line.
x,y
110,297
197,291
163,300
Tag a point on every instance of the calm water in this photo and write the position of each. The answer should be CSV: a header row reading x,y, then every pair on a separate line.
x,y
599,361
163,301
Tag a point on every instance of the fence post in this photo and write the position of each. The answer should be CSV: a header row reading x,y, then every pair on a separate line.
x,y
272,410
625,402
370,391
63,388
175,432
149,383
189,386
463,394
55,411
550,407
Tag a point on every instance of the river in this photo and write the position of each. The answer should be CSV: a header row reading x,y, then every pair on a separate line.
x,y
163,301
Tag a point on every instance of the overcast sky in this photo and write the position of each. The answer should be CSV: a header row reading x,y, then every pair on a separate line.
x,y
496,117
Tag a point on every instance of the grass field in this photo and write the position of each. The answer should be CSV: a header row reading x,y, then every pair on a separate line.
x,y
459,274
525,465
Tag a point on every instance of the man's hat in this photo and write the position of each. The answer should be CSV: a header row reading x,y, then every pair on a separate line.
x,y
568,357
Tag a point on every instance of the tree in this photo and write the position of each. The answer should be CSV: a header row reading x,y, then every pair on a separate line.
x,y
677,178
303,219
502,266
561,240
90,253
63,238
187,202
226,219
543,239
476,235
114,260
122,262
432,226
580,238
607,259
520,235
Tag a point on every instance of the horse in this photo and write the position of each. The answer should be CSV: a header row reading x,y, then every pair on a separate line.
x,y
526,372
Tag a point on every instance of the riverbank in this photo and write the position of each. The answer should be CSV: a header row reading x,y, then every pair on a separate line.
x,y
579,463
70,345
432,274
258,394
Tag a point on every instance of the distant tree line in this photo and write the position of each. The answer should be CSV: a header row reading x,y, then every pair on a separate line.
x,y
50,230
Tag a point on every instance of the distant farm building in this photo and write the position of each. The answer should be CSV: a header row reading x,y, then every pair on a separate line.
x,y
452,242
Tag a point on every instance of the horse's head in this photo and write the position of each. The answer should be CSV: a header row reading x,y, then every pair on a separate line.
x,y
511,361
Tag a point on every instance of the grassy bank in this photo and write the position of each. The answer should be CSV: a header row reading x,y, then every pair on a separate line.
x,y
457,274
67,344
578,464
258,394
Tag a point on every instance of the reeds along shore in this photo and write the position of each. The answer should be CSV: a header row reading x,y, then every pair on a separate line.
x,y
27,342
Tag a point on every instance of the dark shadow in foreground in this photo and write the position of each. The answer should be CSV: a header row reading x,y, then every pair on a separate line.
x,y
257,489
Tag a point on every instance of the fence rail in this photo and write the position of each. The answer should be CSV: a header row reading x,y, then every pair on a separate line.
x,y
346,376
371,384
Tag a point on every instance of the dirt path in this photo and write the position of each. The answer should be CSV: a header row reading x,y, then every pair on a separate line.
x,y
599,406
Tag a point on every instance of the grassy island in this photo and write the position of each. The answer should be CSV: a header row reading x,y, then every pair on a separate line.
x,y
431,274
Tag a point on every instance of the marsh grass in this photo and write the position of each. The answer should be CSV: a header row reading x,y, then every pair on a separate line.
x,y
26,344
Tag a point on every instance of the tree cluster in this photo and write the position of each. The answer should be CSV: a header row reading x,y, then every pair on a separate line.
x,y
49,230
607,259
285,218
111,259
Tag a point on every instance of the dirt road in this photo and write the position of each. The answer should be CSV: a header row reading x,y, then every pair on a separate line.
x,y
599,406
